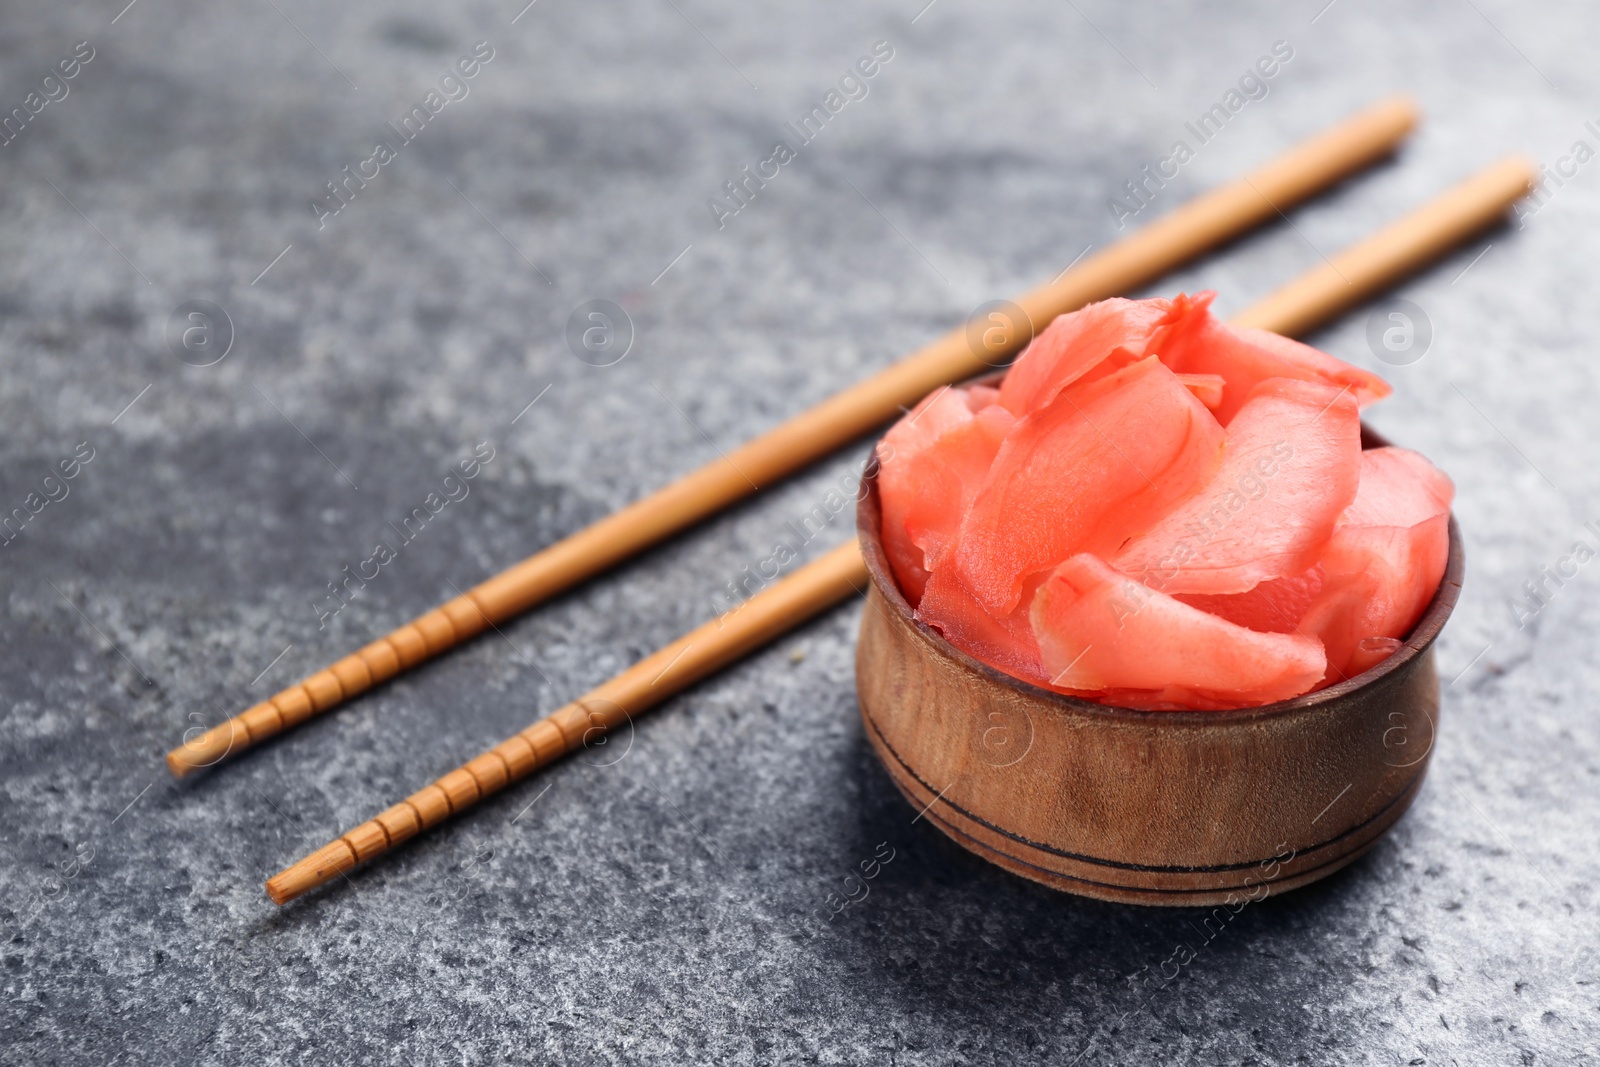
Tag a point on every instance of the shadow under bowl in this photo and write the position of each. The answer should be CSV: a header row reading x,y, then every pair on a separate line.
x,y
1177,808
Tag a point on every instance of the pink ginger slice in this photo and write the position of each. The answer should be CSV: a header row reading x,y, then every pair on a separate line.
x,y
1099,630
1291,464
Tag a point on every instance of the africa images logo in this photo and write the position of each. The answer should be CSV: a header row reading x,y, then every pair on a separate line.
x,y
53,88
1140,192
453,87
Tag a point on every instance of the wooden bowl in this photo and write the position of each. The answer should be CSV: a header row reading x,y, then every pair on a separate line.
x,y
1147,807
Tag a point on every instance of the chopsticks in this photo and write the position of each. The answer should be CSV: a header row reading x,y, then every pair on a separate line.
x,y
1203,223
1341,282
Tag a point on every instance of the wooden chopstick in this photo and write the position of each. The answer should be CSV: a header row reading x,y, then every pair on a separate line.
x,y
1360,270
1203,223
1399,249
770,613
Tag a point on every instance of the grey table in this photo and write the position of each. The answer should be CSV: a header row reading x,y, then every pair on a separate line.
x,y
644,907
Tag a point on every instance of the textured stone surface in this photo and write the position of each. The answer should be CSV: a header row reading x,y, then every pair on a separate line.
x,y
644,912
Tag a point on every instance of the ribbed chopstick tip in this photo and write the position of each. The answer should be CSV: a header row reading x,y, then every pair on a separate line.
x,y
320,867
206,750
1404,110
1528,167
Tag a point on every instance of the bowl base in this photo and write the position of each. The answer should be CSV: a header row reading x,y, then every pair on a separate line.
x,y
1118,883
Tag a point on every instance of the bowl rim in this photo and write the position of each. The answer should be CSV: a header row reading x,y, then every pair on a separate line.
x,y
869,518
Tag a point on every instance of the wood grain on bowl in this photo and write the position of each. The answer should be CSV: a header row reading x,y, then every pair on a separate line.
x,y
1149,807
